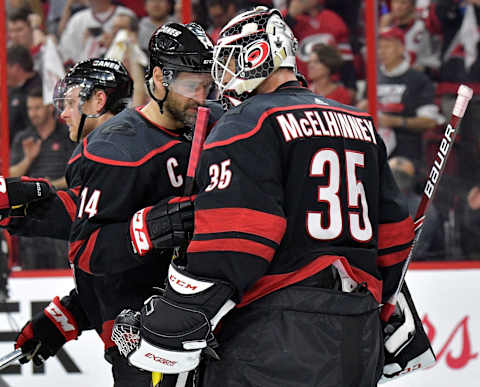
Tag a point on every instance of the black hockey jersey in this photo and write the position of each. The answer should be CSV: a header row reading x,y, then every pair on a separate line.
x,y
291,183
126,164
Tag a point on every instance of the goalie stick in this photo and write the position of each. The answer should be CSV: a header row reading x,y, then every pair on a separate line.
x,y
464,94
416,352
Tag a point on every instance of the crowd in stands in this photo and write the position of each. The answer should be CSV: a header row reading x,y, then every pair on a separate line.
x,y
426,48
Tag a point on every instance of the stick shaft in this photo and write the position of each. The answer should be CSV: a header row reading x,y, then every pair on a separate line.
x,y
197,145
464,95
9,358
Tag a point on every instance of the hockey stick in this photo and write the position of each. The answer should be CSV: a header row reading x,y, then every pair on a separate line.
x,y
180,380
11,357
464,94
197,145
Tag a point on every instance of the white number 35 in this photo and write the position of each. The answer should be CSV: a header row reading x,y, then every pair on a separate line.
x,y
220,175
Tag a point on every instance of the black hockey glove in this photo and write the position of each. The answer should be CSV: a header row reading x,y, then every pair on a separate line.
x,y
407,347
162,226
43,336
17,192
177,327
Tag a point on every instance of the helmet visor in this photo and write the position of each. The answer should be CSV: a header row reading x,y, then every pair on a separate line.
x,y
68,95
192,85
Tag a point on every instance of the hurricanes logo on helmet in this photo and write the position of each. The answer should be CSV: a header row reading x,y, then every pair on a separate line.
x,y
256,53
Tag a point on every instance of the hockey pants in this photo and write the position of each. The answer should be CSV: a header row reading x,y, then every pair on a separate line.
x,y
300,336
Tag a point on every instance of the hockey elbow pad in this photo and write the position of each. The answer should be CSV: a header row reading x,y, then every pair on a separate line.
x,y
163,226
177,327
19,191
49,330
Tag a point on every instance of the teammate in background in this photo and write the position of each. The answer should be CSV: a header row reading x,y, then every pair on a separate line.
x,y
298,224
132,161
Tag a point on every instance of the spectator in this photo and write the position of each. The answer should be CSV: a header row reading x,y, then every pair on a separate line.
x,y
470,225
406,100
312,24
220,13
432,246
21,33
20,78
458,24
41,150
323,66
418,42
60,11
81,38
159,12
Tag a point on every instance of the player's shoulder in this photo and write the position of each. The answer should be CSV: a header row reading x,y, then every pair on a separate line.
x,y
127,139
249,117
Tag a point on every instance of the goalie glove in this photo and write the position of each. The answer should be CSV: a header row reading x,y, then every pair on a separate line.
x,y
47,332
407,347
163,226
17,192
177,327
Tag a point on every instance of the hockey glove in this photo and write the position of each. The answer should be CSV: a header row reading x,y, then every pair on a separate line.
x,y
407,347
17,192
50,329
177,327
165,225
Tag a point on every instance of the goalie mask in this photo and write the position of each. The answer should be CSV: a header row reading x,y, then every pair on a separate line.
x,y
98,73
251,47
177,49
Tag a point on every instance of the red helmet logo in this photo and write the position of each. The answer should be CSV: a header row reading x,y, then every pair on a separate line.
x,y
256,54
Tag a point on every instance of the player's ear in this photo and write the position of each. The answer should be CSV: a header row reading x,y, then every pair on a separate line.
x,y
100,99
157,79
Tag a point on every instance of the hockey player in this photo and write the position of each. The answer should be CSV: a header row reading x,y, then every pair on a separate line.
x,y
299,235
132,161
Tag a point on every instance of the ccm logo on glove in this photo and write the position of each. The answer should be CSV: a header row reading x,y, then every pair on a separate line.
x,y
139,232
60,317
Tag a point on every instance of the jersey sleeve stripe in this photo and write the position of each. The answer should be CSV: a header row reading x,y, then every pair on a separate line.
x,y
393,258
76,190
83,260
74,158
68,203
242,220
106,334
144,159
396,233
234,245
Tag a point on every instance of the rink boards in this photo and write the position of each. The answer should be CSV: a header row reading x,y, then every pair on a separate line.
x,y
447,297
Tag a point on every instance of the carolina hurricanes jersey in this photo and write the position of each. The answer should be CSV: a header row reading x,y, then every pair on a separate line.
x,y
291,183
126,164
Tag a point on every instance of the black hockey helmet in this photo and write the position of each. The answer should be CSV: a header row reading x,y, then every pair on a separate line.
x,y
109,75
175,48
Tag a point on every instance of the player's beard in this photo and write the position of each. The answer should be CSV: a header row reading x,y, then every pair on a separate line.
x,y
180,111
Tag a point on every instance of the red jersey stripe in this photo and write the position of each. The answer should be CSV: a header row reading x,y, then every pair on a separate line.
x,y
143,160
395,234
270,283
240,220
106,334
72,160
68,203
393,258
235,245
269,112
84,260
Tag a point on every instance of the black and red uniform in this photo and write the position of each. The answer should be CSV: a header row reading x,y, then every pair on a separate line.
x,y
126,164
292,185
